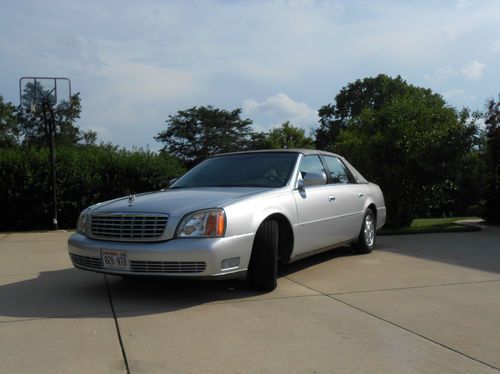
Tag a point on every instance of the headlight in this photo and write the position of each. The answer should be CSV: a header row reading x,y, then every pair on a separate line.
x,y
81,224
210,223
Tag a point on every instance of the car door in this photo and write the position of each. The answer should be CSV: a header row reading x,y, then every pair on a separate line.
x,y
349,199
315,210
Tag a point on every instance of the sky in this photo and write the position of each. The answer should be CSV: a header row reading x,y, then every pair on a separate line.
x,y
137,62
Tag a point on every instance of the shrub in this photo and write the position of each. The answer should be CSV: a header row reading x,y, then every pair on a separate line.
x,y
85,175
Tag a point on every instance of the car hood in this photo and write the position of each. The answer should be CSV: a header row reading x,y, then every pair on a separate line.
x,y
177,202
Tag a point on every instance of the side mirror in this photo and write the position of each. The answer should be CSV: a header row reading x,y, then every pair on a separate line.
x,y
312,179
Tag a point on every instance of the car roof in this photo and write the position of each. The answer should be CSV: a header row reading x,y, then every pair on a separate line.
x,y
357,175
303,151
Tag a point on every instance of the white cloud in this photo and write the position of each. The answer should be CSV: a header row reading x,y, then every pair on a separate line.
x,y
450,32
279,108
142,82
496,46
461,4
453,93
445,72
474,70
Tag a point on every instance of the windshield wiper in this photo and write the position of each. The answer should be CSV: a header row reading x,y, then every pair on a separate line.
x,y
226,185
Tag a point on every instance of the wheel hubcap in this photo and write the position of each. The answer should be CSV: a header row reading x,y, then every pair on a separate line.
x,y
369,231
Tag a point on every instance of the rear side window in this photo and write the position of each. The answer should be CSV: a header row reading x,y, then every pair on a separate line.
x,y
311,164
338,171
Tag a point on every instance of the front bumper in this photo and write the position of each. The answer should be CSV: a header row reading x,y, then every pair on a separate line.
x,y
186,258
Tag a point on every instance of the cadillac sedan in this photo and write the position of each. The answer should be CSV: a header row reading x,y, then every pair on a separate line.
x,y
233,215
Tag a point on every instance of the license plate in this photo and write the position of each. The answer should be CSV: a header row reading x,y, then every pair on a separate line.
x,y
116,260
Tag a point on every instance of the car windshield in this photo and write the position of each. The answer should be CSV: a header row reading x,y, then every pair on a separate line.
x,y
270,170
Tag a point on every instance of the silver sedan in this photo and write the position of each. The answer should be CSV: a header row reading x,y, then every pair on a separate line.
x,y
234,215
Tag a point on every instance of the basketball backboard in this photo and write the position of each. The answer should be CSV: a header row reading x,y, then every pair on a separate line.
x,y
37,92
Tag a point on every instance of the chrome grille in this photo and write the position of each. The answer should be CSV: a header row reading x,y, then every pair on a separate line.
x,y
88,262
127,227
159,267
167,267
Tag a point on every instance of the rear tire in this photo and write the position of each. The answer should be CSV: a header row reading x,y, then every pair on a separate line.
x,y
367,234
263,268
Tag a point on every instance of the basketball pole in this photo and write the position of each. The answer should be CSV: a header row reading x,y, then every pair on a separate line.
x,y
49,124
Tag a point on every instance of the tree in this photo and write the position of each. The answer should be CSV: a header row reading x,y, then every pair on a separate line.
x,y
470,177
404,138
258,140
199,132
9,131
32,126
369,93
493,160
288,136
89,137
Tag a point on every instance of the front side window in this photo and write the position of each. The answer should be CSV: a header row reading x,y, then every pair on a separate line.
x,y
338,171
311,164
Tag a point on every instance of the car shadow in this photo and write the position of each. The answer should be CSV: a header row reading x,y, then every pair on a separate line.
x,y
73,293
285,270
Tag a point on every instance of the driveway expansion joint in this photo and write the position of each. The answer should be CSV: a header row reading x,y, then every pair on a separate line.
x,y
5,237
62,316
414,287
331,296
21,320
120,340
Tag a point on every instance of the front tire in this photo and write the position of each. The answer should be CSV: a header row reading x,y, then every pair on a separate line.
x,y
263,268
367,235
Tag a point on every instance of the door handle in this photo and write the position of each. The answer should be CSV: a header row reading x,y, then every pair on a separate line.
x,y
331,199
360,195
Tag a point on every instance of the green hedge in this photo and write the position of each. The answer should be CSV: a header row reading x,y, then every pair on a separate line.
x,y
85,174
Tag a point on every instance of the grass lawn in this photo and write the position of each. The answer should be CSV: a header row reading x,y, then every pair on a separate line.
x,y
429,225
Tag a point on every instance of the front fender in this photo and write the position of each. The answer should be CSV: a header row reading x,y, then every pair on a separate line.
x,y
245,217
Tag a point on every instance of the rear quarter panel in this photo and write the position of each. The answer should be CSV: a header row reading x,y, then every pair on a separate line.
x,y
378,200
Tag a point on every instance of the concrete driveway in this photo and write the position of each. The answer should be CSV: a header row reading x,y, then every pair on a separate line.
x,y
420,303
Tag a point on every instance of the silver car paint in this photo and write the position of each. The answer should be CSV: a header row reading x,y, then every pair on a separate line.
x,y
318,221
177,203
210,250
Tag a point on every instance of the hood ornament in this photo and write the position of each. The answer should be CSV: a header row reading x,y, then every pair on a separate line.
x,y
131,200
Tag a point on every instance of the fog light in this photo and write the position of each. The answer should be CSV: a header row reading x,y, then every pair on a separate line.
x,y
230,263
